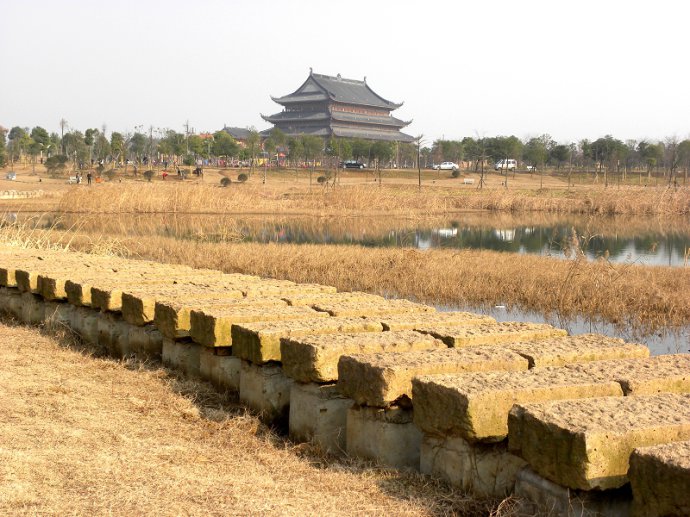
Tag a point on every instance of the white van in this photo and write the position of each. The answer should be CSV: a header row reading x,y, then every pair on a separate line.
x,y
507,165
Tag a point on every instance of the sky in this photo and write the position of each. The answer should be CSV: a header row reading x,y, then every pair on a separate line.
x,y
571,69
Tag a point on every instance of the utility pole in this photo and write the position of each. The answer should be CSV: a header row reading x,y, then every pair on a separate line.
x,y
419,164
186,133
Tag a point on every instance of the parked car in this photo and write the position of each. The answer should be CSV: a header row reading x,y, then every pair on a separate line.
x,y
505,165
352,164
11,176
446,166
531,168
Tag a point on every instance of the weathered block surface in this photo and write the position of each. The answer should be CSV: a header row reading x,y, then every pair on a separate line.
x,y
586,444
283,288
145,341
212,326
376,308
386,436
380,379
312,299
412,321
485,470
32,308
318,414
660,479
558,351
223,371
260,342
315,358
659,374
266,389
489,334
173,317
476,406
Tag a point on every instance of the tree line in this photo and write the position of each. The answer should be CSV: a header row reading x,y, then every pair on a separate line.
x,y
93,148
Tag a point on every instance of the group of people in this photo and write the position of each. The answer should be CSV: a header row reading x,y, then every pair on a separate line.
x,y
89,178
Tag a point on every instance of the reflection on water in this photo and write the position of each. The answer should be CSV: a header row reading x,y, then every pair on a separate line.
x,y
649,241
658,344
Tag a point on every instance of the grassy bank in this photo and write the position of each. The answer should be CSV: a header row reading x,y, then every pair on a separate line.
x,y
91,436
175,197
643,298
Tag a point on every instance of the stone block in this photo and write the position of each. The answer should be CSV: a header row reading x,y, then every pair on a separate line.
x,y
586,444
548,498
260,342
182,356
113,334
356,308
386,436
33,309
484,470
315,358
58,314
647,376
212,326
266,390
223,371
491,334
660,480
476,405
318,414
559,351
382,379
138,305
413,321
145,341
173,317
85,324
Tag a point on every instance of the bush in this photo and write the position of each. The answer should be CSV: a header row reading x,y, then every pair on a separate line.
x,y
56,164
456,173
149,175
188,160
224,182
242,177
321,179
110,174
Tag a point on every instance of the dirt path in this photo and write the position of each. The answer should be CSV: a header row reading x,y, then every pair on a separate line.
x,y
81,435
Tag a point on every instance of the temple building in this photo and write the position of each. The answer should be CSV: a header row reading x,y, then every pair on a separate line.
x,y
328,106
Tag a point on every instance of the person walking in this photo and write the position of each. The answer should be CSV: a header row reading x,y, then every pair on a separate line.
x,y
88,178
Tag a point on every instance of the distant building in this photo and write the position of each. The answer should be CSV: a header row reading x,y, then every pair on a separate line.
x,y
240,134
328,106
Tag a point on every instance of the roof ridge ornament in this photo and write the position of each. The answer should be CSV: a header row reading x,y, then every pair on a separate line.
x,y
340,77
311,71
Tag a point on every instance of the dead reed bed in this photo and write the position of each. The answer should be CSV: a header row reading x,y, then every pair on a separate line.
x,y
83,435
175,197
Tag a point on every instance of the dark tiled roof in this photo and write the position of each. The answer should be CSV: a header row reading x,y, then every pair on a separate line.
x,y
238,133
338,89
344,116
370,134
296,116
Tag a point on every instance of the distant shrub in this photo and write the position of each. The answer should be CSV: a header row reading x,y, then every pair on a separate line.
x,y
224,182
110,174
149,174
456,173
56,164
321,179
242,177
188,160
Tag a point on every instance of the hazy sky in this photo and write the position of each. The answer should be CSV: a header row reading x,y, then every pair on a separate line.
x,y
573,69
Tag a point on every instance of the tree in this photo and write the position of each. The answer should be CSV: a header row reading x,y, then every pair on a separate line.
x,y
137,146
684,158
63,126
312,146
382,152
253,145
3,146
223,145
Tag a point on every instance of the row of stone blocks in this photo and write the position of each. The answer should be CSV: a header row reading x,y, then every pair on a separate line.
x,y
381,427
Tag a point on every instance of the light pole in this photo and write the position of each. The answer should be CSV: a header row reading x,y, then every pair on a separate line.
x,y
419,164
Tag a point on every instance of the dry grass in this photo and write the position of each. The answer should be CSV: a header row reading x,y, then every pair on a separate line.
x,y
83,435
177,197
